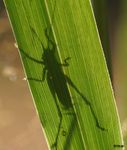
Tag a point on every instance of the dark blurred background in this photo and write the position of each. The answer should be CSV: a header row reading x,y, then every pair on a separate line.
x,y
19,124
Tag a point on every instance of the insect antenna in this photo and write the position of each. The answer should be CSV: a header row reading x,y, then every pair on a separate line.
x,y
50,25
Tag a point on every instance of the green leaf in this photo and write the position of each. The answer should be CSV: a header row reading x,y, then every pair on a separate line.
x,y
66,70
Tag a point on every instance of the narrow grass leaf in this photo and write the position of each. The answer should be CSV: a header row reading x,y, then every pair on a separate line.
x,y
66,70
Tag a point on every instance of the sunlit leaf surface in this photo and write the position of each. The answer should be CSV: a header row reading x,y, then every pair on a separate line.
x,y
67,73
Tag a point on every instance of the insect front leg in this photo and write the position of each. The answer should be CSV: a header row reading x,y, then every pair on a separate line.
x,y
31,58
39,80
34,79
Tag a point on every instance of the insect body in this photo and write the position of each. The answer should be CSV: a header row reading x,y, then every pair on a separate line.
x,y
52,72
55,77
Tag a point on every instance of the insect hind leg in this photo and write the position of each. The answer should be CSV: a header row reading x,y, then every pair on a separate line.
x,y
87,103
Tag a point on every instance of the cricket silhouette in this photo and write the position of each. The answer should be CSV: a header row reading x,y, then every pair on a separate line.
x,y
57,81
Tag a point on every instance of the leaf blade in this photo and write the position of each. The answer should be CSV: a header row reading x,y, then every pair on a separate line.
x,y
70,25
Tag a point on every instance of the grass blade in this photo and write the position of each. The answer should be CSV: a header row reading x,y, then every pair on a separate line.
x,y
74,98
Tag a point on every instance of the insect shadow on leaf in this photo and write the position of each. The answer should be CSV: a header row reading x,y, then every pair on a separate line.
x,y
57,81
